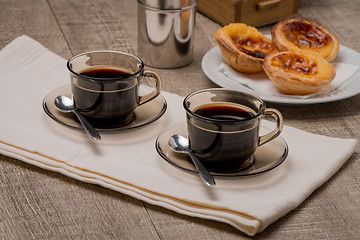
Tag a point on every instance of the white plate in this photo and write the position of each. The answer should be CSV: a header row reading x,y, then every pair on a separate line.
x,y
350,87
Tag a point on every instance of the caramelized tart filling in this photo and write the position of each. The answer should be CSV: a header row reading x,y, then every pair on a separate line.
x,y
254,46
295,63
306,35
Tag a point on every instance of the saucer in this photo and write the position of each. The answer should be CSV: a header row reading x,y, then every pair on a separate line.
x,y
143,115
266,157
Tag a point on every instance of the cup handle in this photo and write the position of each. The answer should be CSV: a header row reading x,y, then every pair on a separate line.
x,y
279,126
156,92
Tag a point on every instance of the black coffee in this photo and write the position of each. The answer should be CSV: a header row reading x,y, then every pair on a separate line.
x,y
223,146
224,112
104,72
103,102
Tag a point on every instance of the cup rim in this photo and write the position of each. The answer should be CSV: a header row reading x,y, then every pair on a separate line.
x,y
260,113
142,65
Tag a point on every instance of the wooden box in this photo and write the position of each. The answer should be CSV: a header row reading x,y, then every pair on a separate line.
x,y
251,12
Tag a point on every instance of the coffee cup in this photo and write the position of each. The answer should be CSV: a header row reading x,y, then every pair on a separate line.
x,y
105,86
223,127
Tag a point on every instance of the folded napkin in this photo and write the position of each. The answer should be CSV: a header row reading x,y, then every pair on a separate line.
x,y
261,83
126,161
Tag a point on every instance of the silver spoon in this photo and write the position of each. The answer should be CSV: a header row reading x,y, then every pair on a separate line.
x,y
180,144
66,104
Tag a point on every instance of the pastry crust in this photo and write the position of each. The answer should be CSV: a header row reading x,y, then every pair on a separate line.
x,y
298,72
243,47
297,34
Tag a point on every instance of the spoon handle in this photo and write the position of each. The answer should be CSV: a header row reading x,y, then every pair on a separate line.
x,y
203,172
90,130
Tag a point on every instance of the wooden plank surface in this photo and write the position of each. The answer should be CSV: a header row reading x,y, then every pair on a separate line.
x,y
39,204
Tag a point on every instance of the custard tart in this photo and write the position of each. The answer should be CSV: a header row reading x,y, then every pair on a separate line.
x,y
243,47
298,72
297,34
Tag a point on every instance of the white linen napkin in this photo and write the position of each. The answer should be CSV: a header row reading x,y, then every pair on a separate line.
x,y
261,83
126,161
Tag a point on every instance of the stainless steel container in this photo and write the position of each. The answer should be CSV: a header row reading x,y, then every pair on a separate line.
x,y
166,32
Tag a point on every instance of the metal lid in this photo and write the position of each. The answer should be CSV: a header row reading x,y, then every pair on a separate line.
x,y
168,4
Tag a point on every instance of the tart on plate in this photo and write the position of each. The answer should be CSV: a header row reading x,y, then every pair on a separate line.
x,y
297,34
243,47
298,72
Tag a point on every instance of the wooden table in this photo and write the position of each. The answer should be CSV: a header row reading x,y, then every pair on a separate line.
x,y
40,204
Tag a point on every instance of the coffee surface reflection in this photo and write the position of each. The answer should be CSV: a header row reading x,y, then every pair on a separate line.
x,y
105,72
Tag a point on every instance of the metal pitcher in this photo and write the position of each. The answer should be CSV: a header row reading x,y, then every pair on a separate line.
x,y
166,32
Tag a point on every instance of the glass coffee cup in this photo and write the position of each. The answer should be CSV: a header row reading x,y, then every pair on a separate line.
x,y
105,86
223,127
